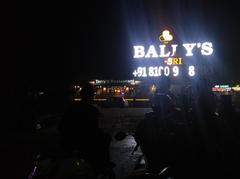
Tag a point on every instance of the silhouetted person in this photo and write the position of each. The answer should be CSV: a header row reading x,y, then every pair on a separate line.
x,y
232,125
212,139
161,135
228,112
27,113
79,130
186,99
163,87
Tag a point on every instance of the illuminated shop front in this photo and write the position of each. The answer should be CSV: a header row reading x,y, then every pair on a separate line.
x,y
106,88
126,88
233,91
226,89
222,90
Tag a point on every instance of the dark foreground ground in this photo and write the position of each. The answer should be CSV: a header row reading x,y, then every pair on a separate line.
x,y
18,149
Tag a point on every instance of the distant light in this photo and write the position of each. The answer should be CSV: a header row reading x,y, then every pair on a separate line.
x,y
142,99
41,93
100,99
224,86
153,88
221,89
129,99
38,126
236,88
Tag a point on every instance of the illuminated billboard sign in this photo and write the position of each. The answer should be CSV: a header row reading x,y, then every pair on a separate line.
x,y
165,58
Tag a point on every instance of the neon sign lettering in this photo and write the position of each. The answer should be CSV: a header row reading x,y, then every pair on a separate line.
x,y
140,51
170,62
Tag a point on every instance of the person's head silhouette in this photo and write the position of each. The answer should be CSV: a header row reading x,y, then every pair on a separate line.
x,y
164,84
226,103
87,93
162,103
206,102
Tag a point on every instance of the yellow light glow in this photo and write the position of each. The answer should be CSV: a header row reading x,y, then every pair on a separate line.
x,y
104,99
166,35
129,99
137,99
142,99
98,99
153,88
236,88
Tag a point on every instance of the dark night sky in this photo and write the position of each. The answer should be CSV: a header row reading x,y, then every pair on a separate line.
x,y
55,43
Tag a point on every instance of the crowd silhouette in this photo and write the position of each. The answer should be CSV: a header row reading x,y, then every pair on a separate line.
x,y
194,138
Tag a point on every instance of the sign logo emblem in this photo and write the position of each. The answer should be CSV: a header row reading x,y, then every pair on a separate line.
x,y
166,37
